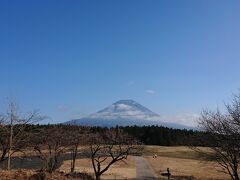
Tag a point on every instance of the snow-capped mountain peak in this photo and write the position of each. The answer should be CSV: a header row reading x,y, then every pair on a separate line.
x,y
124,113
125,109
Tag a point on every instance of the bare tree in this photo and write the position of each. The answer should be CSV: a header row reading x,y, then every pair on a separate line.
x,y
3,142
50,144
78,136
223,136
13,135
110,147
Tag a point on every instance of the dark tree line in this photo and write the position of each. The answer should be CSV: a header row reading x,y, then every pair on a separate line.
x,y
148,135
162,136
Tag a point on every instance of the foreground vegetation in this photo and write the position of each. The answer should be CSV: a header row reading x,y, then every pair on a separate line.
x,y
51,145
104,147
183,162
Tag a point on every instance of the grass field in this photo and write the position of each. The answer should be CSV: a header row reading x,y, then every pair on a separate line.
x,y
120,170
182,161
174,152
186,168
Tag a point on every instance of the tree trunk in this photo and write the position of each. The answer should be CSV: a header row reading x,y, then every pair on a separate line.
x,y
74,155
236,177
235,169
10,141
98,176
3,157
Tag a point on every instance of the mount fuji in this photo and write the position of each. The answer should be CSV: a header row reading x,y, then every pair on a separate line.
x,y
124,113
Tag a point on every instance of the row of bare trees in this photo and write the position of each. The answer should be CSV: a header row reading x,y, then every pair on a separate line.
x,y
103,148
13,134
52,143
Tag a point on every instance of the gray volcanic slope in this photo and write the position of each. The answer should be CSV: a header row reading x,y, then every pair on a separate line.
x,y
124,113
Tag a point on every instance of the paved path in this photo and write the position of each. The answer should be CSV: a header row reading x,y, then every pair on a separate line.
x,y
143,170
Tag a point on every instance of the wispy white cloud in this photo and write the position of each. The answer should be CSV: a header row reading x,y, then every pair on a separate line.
x,y
78,115
185,119
150,91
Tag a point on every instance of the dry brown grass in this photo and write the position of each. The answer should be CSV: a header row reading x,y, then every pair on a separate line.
x,y
25,174
119,170
183,161
187,167
175,151
15,174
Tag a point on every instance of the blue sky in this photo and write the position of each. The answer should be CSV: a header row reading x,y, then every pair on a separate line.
x,y
72,58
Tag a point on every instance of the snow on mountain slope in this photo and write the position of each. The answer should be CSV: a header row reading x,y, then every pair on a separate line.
x,y
124,113
125,109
